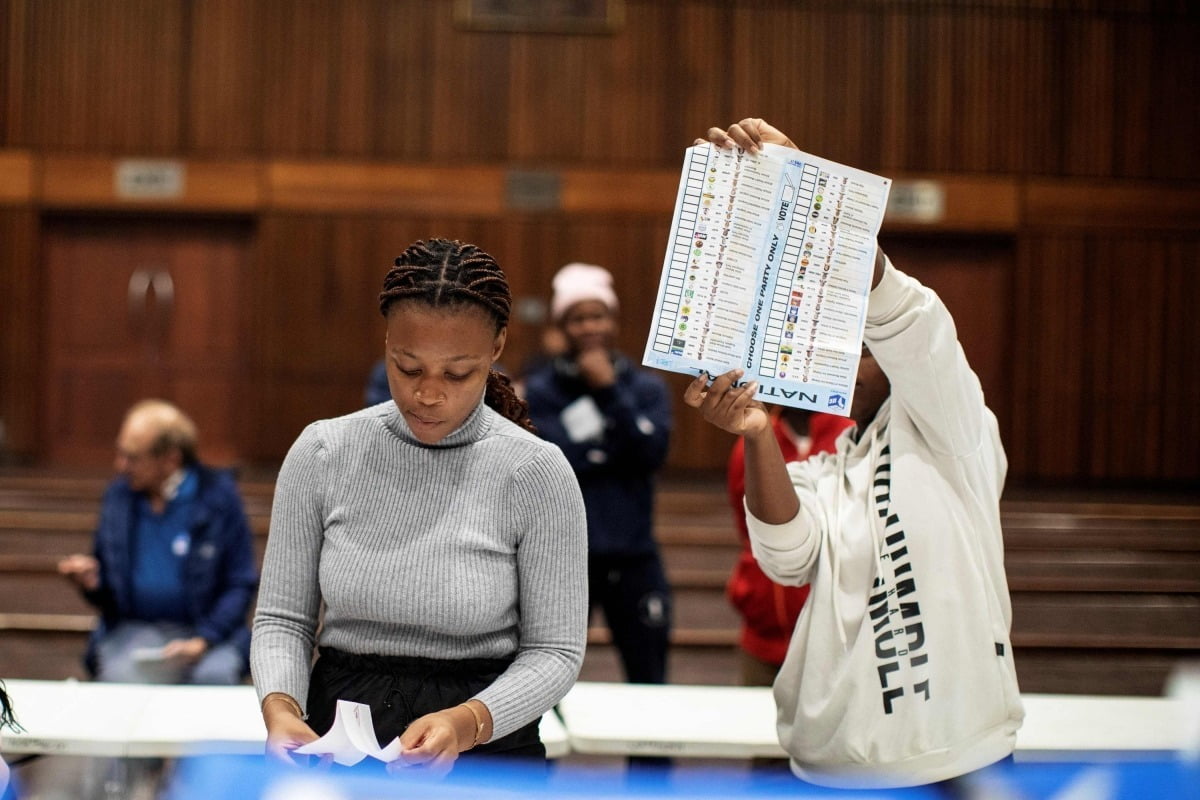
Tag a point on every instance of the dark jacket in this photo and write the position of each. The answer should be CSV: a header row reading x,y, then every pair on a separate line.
x,y
220,574
616,470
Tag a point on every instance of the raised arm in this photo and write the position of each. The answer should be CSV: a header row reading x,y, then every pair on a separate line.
x,y
913,338
769,493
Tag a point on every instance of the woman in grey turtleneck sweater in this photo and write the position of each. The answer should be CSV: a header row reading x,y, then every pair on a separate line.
x,y
445,540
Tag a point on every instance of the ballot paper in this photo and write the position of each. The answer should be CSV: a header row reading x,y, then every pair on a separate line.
x,y
352,737
147,654
768,269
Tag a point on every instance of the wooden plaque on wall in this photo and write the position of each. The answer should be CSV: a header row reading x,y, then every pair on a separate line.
x,y
540,16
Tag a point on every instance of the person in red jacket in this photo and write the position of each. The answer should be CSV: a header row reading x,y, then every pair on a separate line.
x,y
768,610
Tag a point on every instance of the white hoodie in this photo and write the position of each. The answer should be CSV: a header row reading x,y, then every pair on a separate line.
x,y
900,671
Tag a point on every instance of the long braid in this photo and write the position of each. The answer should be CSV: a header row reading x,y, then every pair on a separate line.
x,y
7,718
441,273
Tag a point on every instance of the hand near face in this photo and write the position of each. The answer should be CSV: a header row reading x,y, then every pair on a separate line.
x,y
730,407
749,134
596,368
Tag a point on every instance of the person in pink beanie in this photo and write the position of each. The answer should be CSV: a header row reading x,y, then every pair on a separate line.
x,y
613,423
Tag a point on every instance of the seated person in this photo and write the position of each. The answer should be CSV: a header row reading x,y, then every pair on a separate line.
x,y
172,570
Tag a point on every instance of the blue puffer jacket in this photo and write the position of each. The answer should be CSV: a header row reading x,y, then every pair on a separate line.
x,y
220,574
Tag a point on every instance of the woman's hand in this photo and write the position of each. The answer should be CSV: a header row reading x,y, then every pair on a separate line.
x,y
749,134
285,729
435,740
730,407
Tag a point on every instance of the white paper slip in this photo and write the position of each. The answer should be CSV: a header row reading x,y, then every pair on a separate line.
x,y
768,269
352,737
146,654
582,420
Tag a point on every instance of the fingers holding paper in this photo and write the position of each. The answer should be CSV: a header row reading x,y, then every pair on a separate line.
x,y
431,741
727,404
285,734
749,134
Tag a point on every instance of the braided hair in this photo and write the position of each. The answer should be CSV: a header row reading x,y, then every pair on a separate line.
x,y
7,719
440,273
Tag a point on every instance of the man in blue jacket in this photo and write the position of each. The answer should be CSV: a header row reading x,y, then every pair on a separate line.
x,y
613,422
173,570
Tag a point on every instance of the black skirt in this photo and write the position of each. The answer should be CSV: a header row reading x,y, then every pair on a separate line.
x,y
399,689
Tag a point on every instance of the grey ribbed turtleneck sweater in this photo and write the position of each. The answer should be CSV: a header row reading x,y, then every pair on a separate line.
x,y
472,548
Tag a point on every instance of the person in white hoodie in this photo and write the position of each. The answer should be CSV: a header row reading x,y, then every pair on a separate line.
x,y
900,671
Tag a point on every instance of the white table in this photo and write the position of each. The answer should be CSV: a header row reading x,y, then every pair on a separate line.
x,y
671,720
1088,727
133,720
739,722
136,720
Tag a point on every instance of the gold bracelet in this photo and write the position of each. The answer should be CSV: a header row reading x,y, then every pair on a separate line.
x,y
478,724
287,698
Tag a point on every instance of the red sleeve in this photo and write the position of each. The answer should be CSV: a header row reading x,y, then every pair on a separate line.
x,y
824,429
736,484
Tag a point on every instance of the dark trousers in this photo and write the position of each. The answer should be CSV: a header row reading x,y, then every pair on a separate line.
x,y
400,689
636,600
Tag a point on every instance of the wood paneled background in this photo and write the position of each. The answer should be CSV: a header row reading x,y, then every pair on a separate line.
x,y
343,130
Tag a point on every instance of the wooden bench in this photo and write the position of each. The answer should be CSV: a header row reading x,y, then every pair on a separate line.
x,y
1105,595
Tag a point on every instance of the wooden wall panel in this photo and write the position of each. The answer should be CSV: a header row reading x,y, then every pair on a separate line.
x,y
1173,119
375,122
224,98
1029,87
12,67
1097,205
1048,381
298,76
102,76
405,124
396,188
16,177
1106,355
20,326
1180,431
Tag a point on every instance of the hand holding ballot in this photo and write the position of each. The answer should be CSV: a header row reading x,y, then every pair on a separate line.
x,y
749,134
728,403
771,256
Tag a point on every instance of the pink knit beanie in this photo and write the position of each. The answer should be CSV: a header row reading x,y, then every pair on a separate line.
x,y
576,282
